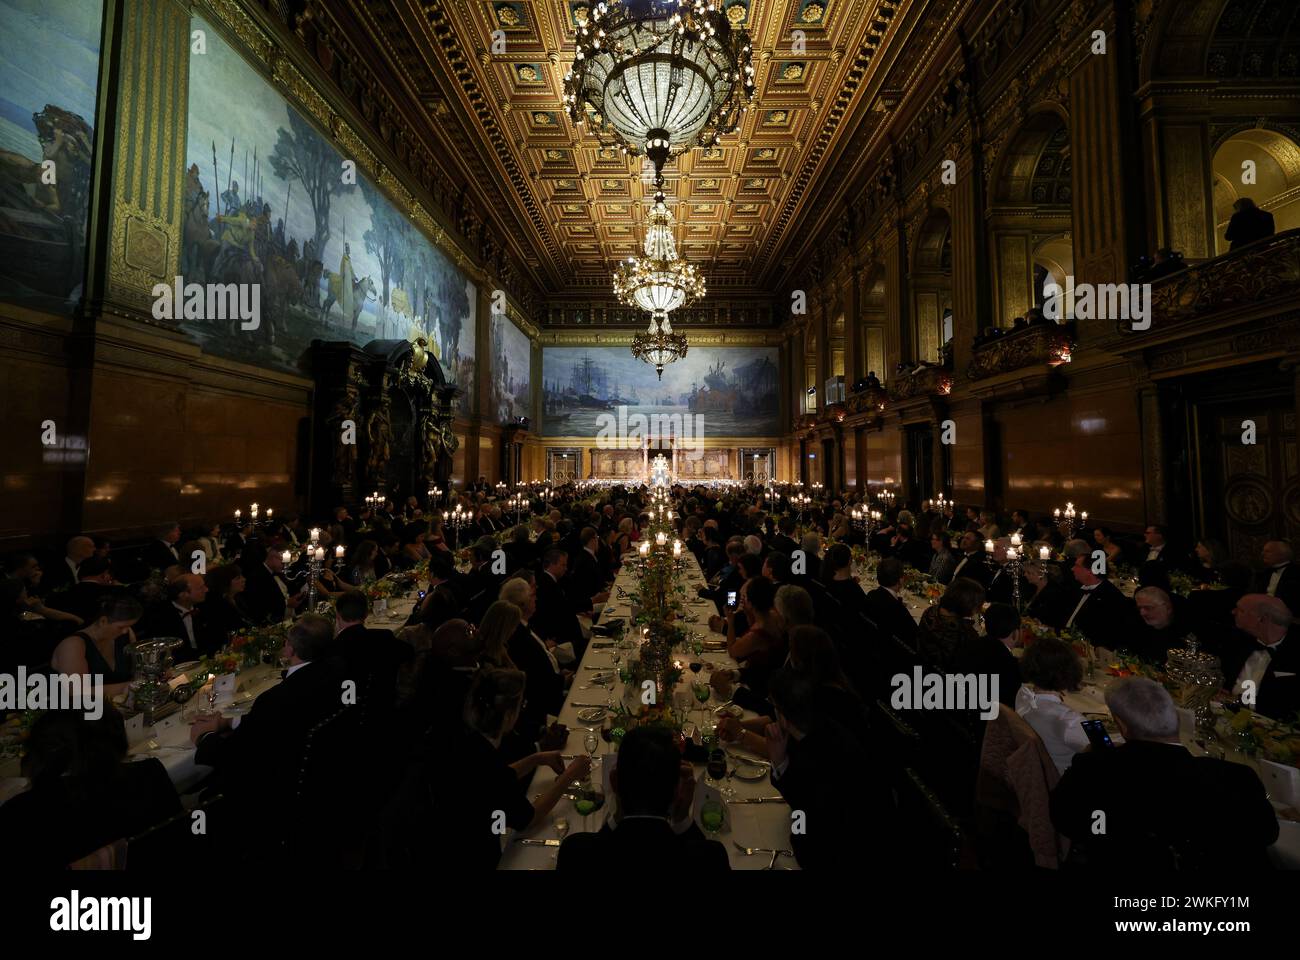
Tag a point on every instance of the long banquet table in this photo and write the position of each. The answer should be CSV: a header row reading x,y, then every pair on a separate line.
x,y
750,824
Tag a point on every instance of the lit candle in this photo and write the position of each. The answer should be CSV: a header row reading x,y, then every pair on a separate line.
x,y
1084,515
269,511
338,552
660,539
1057,513
236,516
286,556
320,553
1015,539
315,534
677,548
253,511
645,547
988,546
1044,553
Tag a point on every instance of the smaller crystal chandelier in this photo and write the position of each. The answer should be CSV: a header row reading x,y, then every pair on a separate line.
x,y
659,345
658,282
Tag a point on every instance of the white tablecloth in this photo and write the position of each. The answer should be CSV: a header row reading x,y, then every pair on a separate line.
x,y
753,825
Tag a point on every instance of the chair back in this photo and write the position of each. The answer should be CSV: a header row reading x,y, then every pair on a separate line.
x,y
1015,782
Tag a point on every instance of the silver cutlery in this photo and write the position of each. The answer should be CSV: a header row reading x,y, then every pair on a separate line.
x,y
750,851
540,843
759,800
575,703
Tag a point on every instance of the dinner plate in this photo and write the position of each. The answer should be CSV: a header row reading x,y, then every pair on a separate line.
x,y
729,710
751,774
591,714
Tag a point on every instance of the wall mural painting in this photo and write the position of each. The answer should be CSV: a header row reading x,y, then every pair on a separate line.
x,y
729,391
511,359
49,71
267,202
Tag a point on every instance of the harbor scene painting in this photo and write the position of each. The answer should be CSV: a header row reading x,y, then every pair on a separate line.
x,y
728,391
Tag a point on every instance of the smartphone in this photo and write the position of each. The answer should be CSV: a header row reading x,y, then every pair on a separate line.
x,y
1097,735
421,595
731,598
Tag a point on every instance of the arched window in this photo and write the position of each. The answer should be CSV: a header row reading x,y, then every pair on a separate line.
x,y
931,285
1272,161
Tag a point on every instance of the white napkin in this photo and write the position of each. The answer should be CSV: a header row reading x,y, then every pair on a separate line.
x,y
1281,782
564,653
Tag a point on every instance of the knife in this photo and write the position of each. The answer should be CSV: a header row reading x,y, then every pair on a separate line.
x,y
759,800
540,843
575,703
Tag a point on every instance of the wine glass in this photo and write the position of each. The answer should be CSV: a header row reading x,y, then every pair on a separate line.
x,y
712,815
591,742
589,801
561,831
701,691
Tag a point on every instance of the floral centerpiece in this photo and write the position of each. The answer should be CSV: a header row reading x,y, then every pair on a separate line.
x,y
1272,739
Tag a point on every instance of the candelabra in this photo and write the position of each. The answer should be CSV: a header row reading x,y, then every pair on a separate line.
x,y
886,497
456,519
1014,566
939,504
1066,520
517,502
801,502
435,497
865,520
375,501
501,489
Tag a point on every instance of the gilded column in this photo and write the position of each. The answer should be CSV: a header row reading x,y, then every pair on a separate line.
x,y
969,255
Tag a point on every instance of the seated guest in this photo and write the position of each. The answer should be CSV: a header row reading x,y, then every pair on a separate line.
x,y
258,756
371,658
776,567
760,650
54,623
884,605
586,586
1160,628
433,684
654,787
840,583
435,541
1102,537
362,566
442,601
224,610
1050,668
1155,545
555,619
1020,524
412,830
181,615
389,557
239,538
1281,574
483,582
96,650
267,596
794,606
1100,611
810,544
945,625
988,528
1002,585
81,599
942,560
972,564
1270,660
64,574
518,549
1211,555
783,540
24,641
991,654
1143,788
506,634
820,767
161,552
913,552
715,553
413,551
84,794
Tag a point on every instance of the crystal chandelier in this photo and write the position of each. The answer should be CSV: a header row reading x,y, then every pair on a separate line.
x,y
659,345
658,282
659,76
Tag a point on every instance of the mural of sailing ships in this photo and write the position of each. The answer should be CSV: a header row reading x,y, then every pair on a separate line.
x,y
734,389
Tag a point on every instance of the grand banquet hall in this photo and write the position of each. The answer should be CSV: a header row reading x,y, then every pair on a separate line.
x,y
650,435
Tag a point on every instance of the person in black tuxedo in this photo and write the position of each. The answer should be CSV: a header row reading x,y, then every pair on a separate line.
x,y
783,541
1143,787
239,538
1160,626
715,553
991,654
810,547
885,607
586,587
1100,612
519,551
443,600
913,552
821,768
370,658
555,619
1248,224
267,596
258,756
972,564
840,584
161,552
182,615
63,573
483,582
81,599
654,786
461,777
1271,657
1281,574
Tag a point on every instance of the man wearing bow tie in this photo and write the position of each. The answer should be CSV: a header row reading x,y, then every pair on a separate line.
x,y
1156,547
1272,665
161,553
1101,611
1281,574
180,617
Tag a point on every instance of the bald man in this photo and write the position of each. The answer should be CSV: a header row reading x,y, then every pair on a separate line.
x,y
1271,665
63,574
1281,574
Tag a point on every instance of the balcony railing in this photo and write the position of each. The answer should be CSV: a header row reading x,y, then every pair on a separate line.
x,y
927,380
1266,270
1043,345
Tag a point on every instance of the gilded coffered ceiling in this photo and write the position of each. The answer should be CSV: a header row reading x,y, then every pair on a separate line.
x,y
574,207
